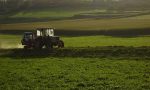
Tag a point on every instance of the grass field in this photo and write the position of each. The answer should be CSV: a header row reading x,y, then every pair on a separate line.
x,y
99,54
53,13
77,66
86,62
74,73
14,41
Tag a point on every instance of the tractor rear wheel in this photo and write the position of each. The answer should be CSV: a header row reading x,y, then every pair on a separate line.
x,y
25,47
60,44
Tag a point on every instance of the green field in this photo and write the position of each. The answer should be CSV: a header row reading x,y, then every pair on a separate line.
x,y
99,54
9,41
53,13
86,62
74,73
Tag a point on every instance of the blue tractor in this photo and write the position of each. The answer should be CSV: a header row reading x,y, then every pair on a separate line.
x,y
44,37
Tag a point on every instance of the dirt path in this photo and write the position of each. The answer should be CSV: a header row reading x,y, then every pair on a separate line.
x,y
9,46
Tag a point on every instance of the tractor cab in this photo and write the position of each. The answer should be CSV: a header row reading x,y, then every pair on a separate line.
x,y
43,37
45,32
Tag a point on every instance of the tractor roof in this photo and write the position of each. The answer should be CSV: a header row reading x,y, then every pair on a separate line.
x,y
43,28
28,32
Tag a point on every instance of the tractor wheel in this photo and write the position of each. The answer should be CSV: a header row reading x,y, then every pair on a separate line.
x,y
26,47
60,44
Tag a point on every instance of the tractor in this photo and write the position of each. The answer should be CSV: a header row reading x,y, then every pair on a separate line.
x,y
44,37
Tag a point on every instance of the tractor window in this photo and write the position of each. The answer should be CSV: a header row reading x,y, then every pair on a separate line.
x,y
50,32
38,33
28,36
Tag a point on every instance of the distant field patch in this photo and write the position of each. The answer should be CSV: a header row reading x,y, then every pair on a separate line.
x,y
140,17
53,13
44,15
83,24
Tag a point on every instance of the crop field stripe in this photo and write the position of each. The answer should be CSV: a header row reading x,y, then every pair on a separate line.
x,y
83,24
8,41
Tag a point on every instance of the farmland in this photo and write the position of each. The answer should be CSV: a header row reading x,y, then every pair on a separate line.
x,y
86,62
84,41
74,73
100,53
86,24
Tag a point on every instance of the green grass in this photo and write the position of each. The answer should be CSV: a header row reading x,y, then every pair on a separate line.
x,y
77,68
44,14
74,73
53,13
12,41
93,41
